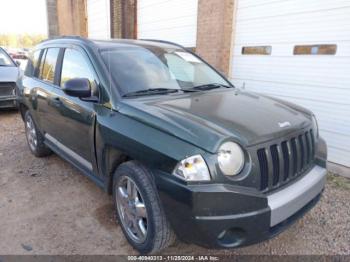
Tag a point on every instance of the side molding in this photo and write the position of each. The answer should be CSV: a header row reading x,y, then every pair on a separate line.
x,y
83,162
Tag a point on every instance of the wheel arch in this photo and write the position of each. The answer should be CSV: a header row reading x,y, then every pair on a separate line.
x,y
22,109
112,159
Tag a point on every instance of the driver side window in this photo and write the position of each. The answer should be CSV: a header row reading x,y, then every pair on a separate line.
x,y
75,66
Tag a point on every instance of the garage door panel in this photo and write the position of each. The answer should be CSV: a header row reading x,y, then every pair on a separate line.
x,y
323,25
175,35
168,11
336,154
174,21
320,83
286,7
283,50
149,3
98,19
313,93
320,72
167,24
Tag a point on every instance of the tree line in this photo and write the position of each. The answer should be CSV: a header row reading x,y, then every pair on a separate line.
x,y
20,41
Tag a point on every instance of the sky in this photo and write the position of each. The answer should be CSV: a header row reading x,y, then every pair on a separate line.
x,y
23,17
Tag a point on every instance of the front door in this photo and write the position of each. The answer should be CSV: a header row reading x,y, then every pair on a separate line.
x,y
73,130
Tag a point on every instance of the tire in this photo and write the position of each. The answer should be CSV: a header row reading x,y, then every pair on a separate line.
x,y
35,139
159,234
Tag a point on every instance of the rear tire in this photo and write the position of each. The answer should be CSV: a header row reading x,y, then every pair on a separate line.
x,y
34,138
140,202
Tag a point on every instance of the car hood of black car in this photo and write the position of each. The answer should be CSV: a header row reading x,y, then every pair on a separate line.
x,y
206,119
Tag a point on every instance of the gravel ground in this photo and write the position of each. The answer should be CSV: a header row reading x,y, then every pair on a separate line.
x,y
48,207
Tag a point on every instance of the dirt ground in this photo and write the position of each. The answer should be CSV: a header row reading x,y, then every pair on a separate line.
x,y
48,207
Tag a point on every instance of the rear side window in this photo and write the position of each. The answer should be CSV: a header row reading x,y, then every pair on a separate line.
x,y
33,64
49,67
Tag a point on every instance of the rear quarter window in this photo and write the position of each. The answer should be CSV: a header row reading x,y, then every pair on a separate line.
x,y
33,64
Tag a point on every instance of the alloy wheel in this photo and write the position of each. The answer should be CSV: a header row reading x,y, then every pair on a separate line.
x,y
31,133
132,209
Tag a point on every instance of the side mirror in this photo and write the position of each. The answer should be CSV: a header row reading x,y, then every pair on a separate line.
x,y
18,63
77,87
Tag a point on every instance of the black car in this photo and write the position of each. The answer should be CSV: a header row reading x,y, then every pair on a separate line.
x,y
9,74
181,149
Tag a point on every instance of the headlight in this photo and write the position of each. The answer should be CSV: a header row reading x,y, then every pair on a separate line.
x,y
315,126
230,158
193,168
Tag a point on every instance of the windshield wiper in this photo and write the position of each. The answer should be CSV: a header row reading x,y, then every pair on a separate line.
x,y
208,87
152,91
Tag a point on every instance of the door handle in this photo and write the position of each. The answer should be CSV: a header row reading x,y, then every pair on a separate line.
x,y
57,101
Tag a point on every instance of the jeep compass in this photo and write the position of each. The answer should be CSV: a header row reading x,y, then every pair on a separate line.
x,y
181,150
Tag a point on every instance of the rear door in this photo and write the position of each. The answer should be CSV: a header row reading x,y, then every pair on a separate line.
x,y
44,87
72,130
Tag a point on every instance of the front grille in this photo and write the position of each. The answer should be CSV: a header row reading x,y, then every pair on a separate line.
x,y
282,162
7,88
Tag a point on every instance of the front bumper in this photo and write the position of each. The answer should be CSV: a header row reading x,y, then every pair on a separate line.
x,y
223,216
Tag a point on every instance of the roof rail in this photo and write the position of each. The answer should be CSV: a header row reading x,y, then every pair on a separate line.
x,y
65,37
164,41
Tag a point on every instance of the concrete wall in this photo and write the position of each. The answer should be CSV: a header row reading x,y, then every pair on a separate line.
x,y
214,32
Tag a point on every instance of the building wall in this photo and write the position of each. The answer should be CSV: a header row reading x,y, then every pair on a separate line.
x,y
51,7
214,32
72,18
129,18
66,17
111,18
116,19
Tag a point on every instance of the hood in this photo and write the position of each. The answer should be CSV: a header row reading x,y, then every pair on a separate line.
x,y
206,119
9,73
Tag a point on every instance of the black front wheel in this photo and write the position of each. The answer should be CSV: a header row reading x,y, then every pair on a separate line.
x,y
139,210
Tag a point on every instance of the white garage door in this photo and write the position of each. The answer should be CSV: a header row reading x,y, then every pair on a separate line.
x,y
98,19
171,20
318,82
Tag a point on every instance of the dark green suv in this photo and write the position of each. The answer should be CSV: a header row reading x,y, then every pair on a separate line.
x,y
182,150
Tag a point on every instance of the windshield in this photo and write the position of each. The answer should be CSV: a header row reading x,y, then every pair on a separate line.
x,y
5,60
139,68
